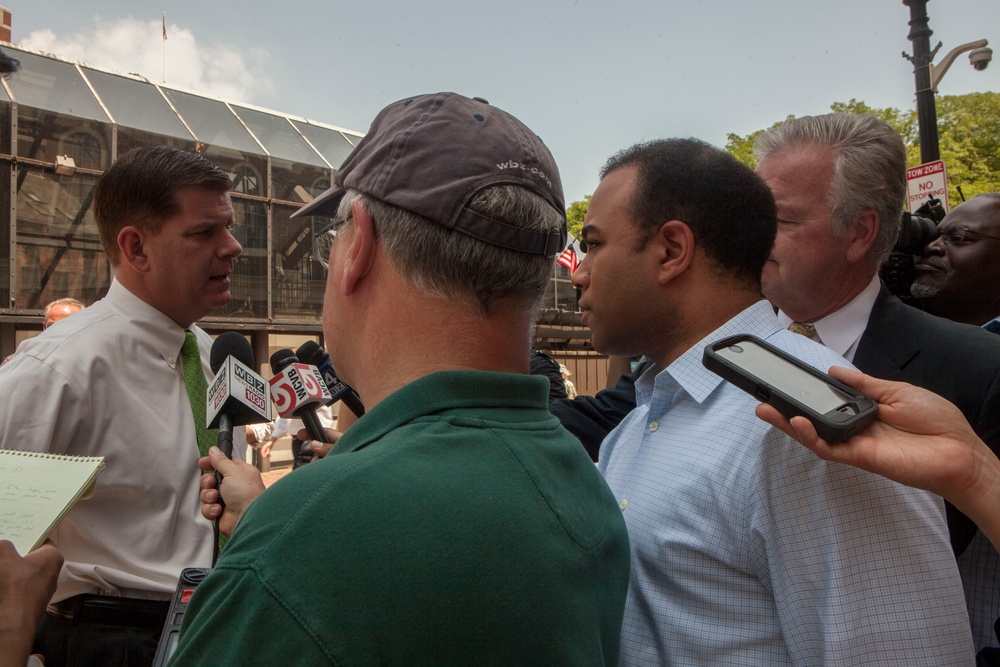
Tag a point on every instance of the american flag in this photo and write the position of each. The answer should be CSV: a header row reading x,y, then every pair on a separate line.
x,y
571,256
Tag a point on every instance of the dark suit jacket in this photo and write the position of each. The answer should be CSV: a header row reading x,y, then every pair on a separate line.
x,y
591,418
960,362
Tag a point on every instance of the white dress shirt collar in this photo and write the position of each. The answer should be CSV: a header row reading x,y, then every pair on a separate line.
x,y
162,332
841,330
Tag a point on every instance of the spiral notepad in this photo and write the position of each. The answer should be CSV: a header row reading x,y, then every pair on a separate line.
x,y
37,490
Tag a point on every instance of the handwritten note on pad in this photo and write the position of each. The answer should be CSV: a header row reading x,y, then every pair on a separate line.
x,y
36,491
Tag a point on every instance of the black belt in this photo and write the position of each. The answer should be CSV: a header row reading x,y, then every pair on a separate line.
x,y
104,610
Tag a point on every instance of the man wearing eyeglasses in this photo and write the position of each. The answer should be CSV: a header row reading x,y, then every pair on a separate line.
x,y
958,276
456,522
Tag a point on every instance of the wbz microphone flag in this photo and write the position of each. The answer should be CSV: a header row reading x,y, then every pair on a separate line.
x,y
296,387
237,391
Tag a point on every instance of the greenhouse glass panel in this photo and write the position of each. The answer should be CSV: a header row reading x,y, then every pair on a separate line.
x,y
249,279
44,135
59,252
224,141
331,144
136,104
212,122
5,168
296,182
278,136
298,279
52,85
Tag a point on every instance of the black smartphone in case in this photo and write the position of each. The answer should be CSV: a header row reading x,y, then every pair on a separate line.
x,y
792,386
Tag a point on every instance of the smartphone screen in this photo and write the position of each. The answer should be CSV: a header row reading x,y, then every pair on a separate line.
x,y
809,390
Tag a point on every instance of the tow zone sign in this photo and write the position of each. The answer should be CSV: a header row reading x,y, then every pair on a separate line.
x,y
925,181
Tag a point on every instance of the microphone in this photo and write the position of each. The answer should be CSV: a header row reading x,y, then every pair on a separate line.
x,y
311,353
237,395
297,389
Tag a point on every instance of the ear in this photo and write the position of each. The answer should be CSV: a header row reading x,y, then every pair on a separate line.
x,y
861,234
132,247
361,247
675,248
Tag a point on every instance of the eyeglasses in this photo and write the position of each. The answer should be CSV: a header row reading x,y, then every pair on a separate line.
x,y
958,234
323,241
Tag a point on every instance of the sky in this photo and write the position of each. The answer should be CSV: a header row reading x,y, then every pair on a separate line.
x,y
590,77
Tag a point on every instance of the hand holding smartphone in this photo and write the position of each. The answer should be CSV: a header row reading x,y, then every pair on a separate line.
x,y
792,386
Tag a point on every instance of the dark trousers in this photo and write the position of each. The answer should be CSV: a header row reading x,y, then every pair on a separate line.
x,y
85,642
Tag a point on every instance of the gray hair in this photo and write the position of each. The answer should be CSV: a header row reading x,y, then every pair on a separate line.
x,y
448,264
66,301
869,169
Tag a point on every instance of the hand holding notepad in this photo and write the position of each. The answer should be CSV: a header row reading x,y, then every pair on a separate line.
x,y
37,490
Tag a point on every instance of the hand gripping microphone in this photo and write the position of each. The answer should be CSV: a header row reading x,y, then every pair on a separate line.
x,y
311,353
297,389
237,395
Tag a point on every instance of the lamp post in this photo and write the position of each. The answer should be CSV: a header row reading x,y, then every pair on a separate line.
x,y
920,36
927,76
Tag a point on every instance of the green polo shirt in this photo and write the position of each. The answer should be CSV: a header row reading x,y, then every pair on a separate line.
x,y
456,523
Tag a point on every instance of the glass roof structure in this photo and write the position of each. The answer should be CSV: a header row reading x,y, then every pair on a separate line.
x,y
63,123
56,85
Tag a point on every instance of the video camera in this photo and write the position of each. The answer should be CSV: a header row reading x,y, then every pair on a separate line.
x,y
916,230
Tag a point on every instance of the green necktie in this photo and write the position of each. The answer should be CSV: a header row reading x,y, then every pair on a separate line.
x,y
197,387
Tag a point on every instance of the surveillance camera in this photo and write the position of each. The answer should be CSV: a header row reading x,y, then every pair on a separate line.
x,y
980,58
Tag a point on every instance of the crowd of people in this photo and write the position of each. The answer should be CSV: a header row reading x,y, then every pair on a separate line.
x,y
462,520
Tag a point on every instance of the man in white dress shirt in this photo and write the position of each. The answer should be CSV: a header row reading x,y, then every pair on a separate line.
x,y
839,181
110,381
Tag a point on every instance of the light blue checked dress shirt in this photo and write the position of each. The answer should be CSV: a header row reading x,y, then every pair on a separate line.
x,y
747,549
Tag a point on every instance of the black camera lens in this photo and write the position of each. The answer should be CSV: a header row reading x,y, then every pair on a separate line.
x,y
915,232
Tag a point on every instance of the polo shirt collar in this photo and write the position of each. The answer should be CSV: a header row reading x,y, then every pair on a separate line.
x,y
444,391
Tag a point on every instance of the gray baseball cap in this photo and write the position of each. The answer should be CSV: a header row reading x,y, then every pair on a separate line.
x,y
432,154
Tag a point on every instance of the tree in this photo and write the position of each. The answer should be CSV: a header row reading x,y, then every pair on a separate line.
x,y
742,147
575,214
968,131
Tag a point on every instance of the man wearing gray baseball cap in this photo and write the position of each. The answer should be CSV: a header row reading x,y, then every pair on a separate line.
x,y
456,522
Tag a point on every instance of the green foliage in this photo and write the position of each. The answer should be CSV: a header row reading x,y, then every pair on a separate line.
x,y
742,147
904,122
575,214
968,138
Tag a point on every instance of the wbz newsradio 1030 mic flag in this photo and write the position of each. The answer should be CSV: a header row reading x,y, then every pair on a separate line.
x,y
237,395
297,389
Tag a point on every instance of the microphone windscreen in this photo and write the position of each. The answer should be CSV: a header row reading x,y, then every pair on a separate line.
x,y
231,344
281,359
308,353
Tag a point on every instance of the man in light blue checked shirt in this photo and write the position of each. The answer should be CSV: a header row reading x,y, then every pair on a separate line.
x,y
746,548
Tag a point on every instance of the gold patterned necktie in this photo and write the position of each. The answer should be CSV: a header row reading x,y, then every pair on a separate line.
x,y
197,387
807,330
